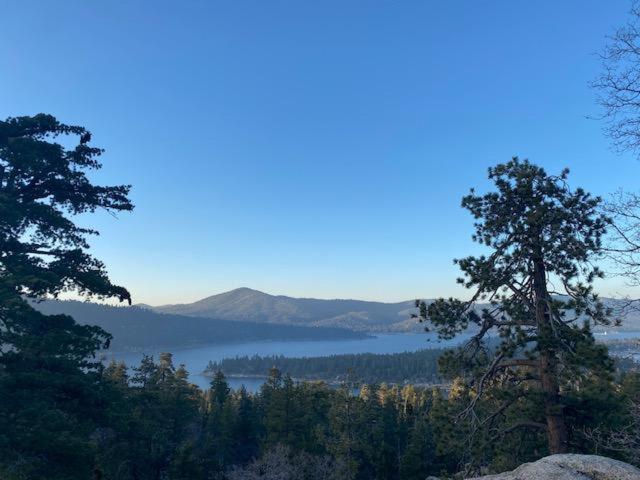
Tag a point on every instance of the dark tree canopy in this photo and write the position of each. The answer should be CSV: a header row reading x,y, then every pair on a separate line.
x,y
41,184
50,382
534,290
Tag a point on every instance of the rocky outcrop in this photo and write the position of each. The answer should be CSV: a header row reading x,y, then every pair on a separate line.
x,y
570,467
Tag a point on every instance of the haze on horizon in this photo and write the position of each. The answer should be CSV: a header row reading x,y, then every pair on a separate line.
x,y
311,149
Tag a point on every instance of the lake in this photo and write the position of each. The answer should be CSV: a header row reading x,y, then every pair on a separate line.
x,y
196,359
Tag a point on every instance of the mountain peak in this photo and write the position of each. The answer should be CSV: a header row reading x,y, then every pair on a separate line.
x,y
245,290
238,293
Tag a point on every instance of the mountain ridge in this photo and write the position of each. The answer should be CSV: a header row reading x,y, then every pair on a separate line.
x,y
141,329
246,304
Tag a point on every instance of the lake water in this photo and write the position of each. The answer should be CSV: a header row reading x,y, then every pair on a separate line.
x,y
197,359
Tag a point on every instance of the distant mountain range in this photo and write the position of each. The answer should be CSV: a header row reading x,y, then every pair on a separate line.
x,y
240,316
140,329
245,304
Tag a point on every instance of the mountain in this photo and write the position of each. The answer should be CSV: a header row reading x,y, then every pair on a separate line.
x,y
135,328
240,315
245,304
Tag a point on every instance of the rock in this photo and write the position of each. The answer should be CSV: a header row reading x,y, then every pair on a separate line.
x,y
570,467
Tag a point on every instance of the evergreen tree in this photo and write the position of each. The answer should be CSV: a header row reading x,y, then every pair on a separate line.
x,y
246,435
343,426
219,389
310,422
537,282
50,393
157,434
417,461
220,429
279,412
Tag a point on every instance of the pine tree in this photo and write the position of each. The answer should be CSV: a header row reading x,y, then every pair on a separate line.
x,y
538,285
343,430
245,435
219,389
279,412
417,461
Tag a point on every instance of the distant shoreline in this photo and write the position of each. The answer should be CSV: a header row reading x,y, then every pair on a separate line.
x,y
170,349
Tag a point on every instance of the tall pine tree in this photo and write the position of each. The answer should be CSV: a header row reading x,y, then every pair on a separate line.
x,y
534,289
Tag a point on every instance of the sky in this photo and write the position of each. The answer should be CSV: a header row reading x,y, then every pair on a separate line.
x,y
306,148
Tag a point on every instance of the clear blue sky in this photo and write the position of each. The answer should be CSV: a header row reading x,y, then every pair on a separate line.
x,y
310,148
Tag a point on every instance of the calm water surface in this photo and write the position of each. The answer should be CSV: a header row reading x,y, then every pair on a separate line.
x,y
197,359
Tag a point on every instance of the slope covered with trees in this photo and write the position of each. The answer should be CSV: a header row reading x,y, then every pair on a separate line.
x,y
417,368
409,367
135,328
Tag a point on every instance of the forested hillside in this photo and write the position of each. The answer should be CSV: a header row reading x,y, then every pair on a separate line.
x,y
409,367
417,368
135,328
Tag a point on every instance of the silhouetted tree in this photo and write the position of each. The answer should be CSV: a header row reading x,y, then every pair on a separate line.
x,y
50,389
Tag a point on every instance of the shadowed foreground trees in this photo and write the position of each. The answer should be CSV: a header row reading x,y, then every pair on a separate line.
x,y
50,386
161,427
537,279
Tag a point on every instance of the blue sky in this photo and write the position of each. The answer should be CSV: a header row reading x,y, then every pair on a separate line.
x,y
310,148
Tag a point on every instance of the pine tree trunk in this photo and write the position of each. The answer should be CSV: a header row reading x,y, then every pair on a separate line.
x,y
556,428
548,368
